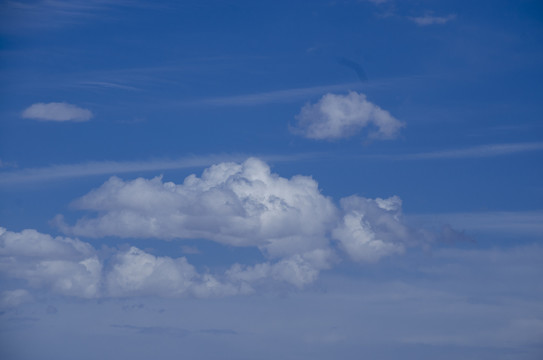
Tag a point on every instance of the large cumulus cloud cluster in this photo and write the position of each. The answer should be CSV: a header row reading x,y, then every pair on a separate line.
x,y
299,230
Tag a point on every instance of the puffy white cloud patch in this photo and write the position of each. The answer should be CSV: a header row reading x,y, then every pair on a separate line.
x,y
136,272
341,116
57,267
56,112
65,265
234,204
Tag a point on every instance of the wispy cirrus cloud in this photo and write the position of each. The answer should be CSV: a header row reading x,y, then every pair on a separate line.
x,y
110,85
429,19
279,96
93,168
481,151
56,13
56,112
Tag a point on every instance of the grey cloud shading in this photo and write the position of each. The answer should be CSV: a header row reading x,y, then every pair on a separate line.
x,y
14,298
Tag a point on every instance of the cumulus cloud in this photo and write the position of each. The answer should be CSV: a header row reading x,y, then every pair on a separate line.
x,y
245,204
432,20
341,116
56,112
299,231
68,266
136,272
234,204
71,267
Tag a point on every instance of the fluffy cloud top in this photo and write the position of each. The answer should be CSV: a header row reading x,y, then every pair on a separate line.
x,y
234,204
341,116
56,112
247,205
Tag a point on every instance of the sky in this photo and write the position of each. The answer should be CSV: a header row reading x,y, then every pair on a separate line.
x,y
356,179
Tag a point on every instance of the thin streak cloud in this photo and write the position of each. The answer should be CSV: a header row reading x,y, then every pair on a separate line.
x,y
482,151
280,96
93,168
527,223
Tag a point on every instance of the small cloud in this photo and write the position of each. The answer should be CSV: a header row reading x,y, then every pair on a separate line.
x,y
342,116
56,112
432,20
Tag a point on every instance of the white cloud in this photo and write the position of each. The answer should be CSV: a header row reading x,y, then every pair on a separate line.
x,y
234,204
32,244
135,273
72,268
67,266
432,20
341,116
56,112
247,205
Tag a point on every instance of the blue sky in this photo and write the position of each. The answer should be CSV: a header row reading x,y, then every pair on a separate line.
x,y
271,179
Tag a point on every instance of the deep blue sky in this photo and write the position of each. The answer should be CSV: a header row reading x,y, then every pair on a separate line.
x,y
435,102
